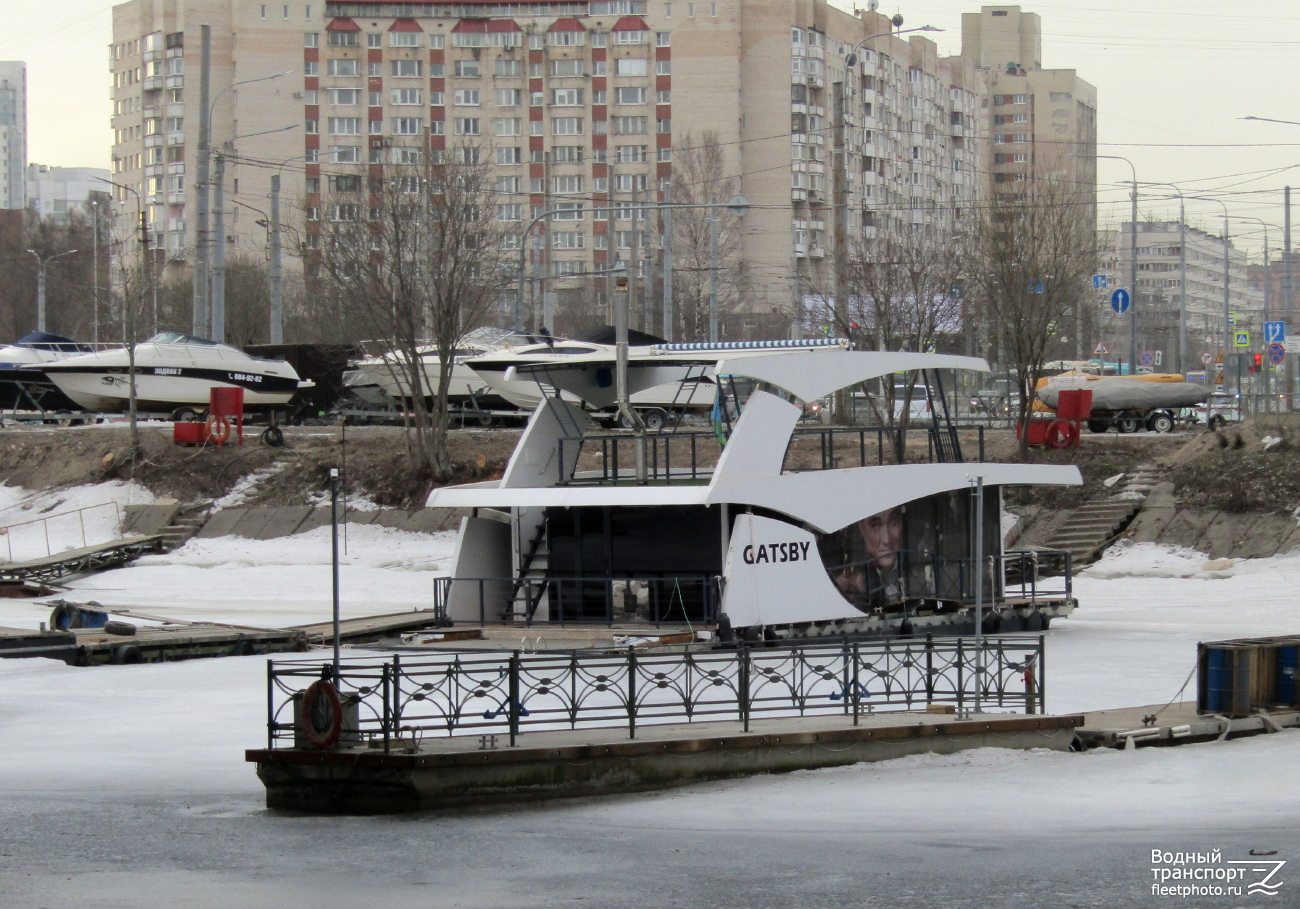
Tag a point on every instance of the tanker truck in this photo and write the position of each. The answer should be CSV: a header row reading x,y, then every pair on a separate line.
x,y
1129,403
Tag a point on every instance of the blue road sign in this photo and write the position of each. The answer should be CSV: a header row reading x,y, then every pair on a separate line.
x,y
1100,282
1119,300
1148,358
1241,339
1276,351
1274,332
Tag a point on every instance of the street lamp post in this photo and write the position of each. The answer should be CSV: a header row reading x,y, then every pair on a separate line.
x,y
1132,269
1182,268
41,263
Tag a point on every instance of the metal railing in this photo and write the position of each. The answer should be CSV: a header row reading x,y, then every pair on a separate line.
x,y
8,531
671,598
1037,574
865,446
406,698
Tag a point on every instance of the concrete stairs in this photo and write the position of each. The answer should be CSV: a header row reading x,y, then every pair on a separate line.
x,y
1091,528
184,526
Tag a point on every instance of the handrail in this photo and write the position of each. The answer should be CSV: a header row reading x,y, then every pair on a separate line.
x,y
81,514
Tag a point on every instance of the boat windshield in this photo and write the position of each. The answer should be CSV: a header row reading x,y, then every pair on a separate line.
x,y
175,337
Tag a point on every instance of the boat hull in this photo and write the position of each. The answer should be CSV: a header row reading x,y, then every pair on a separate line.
x,y
165,388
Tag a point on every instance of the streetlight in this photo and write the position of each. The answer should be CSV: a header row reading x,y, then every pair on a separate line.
x,y
1267,280
1132,269
1182,264
1227,329
41,262
201,319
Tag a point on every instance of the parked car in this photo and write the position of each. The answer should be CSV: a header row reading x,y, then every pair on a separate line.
x,y
1219,410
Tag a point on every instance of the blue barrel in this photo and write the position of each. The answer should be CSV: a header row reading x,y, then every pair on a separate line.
x,y
1288,664
1218,683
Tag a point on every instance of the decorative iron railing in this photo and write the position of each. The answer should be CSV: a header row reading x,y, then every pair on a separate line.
x,y
404,699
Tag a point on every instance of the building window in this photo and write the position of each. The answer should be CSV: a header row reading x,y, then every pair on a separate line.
x,y
342,39
629,95
466,126
569,211
631,154
665,154
509,212
508,154
376,127
466,97
405,96
566,126
664,67
631,126
600,96
407,126
664,97
632,37
509,69
665,126
598,68
567,239
345,154
405,69
508,185
344,96
405,39
507,126
668,10
566,68
343,68
311,39
630,66
374,40
566,154
465,69
567,185
466,154
566,97
312,128
345,126
509,97
310,68
567,38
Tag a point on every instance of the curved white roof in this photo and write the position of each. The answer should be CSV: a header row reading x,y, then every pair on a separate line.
x,y
812,377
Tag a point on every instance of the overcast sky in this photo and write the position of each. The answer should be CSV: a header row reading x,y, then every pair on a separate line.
x,y
1173,78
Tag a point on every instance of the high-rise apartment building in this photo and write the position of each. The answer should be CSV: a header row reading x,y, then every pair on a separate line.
x,y
1042,123
13,134
830,124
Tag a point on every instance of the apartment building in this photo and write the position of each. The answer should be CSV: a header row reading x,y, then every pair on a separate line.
x,y
1042,123
831,125
1159,292
13,134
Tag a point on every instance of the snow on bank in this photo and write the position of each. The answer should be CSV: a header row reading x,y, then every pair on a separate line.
x,y
1142,610
37,524
269,583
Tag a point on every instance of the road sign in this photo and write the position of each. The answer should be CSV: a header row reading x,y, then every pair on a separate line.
x,y
1232,317
1218,379
1241,339
1100,282
1274,332
1207,358
1147,359
1144,370
1219,358
1100,350
1119,300
1276,352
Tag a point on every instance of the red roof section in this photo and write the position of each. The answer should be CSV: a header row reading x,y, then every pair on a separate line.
x,y
503,25
342,24
405,25
630,24
567,25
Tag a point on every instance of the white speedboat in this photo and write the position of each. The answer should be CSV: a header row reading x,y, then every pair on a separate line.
x,y
389,374
173,371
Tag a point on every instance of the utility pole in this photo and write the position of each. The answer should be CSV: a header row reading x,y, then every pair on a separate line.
x,y
633,259
1227,328
713,273
668,262
1133,285
218,302
1286,294
94,203
202,248
1182,281
647,272
277,284
41,263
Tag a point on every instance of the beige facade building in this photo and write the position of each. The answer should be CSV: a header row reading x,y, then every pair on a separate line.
x,y
1042,123
830,125
1158,299
13,134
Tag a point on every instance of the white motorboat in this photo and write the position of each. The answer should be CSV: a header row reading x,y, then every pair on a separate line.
x,y
386,373
173,371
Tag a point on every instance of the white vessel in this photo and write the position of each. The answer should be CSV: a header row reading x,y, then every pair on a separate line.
x,y
173,371
23,382
759,546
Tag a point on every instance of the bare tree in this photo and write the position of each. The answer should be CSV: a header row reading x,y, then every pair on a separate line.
x,y
1031,254
417,254
248,301
699,178
898,295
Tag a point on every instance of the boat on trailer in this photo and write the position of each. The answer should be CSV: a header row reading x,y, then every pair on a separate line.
x,y
173,373
872,538
23,382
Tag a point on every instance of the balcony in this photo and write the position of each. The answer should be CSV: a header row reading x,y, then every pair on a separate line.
x,y
957,131
176,198
175,82
798,195
175,138
800,249
152,83
153,141
817,252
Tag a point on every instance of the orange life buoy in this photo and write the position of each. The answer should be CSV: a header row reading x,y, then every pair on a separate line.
x,y
320,715
217,429
1062,434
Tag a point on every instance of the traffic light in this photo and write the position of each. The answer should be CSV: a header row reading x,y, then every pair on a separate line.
x,y
1256,362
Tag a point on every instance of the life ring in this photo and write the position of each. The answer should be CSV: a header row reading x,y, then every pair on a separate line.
x,y
329,713
1062,434
217,429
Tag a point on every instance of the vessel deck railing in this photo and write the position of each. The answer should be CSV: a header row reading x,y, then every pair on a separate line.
x,y
566,600
404,699
688,457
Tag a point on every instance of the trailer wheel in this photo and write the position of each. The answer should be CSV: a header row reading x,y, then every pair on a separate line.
x,y
1098,425
1128,424
185,415
485,420
655,420
1217,422
126,654
1160,421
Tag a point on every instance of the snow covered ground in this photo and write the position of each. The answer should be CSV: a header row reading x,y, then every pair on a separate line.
x,y
37,524
126,786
